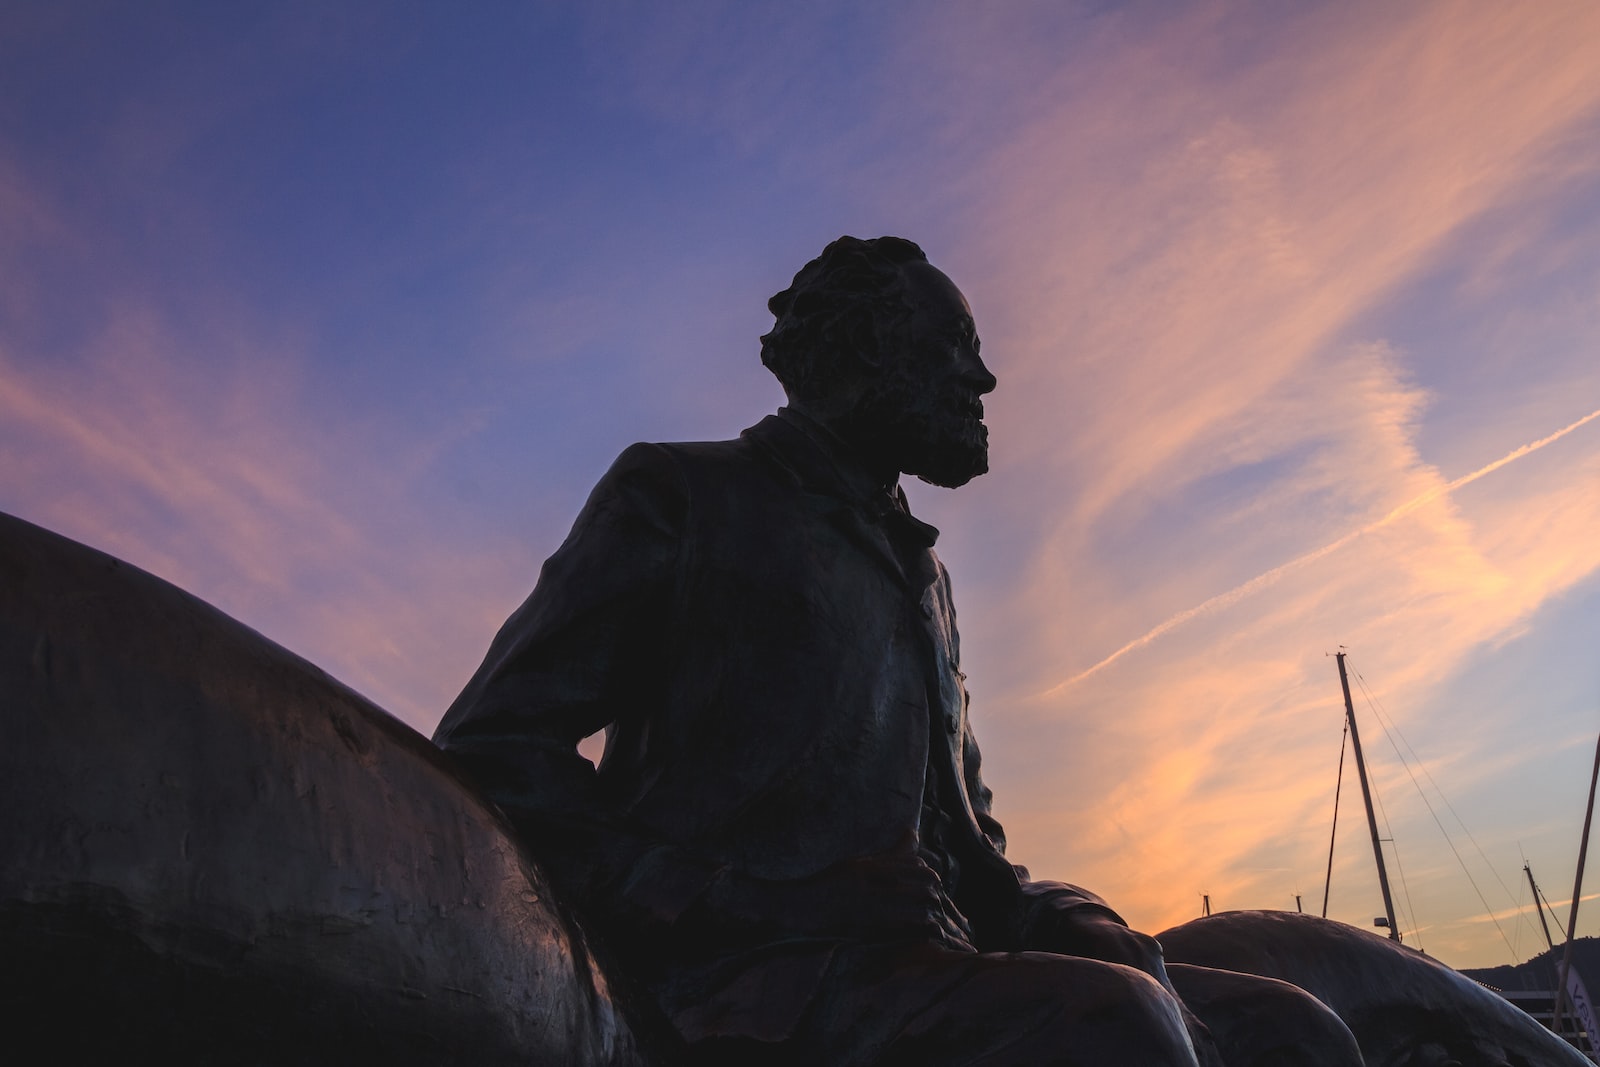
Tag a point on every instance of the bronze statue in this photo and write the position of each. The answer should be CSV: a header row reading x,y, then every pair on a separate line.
x,y
786,856
209,849
788,839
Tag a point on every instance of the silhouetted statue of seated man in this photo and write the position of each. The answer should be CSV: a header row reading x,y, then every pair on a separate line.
x,y
788,840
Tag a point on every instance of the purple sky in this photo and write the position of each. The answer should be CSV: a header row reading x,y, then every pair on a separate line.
x,y
332,314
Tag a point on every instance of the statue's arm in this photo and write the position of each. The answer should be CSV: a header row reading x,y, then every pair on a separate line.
x,y
579,655
584,652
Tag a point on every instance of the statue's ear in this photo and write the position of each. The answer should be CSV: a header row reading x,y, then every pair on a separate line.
x,y
859,347
835,381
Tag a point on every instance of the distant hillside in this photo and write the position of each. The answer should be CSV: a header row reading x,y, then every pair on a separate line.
x,y
1540,972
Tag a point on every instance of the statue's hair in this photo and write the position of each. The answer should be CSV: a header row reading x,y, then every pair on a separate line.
x,y
843,304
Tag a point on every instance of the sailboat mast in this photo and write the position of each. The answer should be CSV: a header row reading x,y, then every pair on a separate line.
x,y
1577,894
1537,910
1366,796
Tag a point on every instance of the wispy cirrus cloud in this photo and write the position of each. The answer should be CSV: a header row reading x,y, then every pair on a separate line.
x,y
337,337
1224,475
1267,578
223,480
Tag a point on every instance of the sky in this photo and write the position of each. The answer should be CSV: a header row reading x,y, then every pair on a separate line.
x,y
333,314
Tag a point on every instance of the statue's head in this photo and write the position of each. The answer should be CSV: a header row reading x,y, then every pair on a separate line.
x,y
880,346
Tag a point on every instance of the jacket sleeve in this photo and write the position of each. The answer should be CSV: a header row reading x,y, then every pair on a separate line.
x,y
576,658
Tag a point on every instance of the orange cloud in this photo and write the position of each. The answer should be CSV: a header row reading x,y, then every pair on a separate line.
x,y
1177,242
1175,293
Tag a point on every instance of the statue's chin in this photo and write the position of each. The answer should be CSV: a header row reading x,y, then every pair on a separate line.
x,y
923,435
950,479
954,459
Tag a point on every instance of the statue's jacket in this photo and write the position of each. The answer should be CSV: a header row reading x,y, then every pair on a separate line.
x,y
768,640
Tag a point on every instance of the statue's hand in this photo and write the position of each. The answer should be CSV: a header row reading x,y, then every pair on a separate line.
x,y
874,896
1076,930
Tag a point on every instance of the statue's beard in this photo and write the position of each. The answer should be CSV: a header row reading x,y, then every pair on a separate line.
x,y
952,455
939,438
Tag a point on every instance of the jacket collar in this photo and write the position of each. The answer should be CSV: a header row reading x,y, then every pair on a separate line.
x,y
820,462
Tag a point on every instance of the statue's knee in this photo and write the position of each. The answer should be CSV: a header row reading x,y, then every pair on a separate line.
x,y
1261,1022
1303,1033
1148,1020
1076,1013
1047,1010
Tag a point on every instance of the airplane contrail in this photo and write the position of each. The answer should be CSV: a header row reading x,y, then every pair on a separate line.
x,y
1239,592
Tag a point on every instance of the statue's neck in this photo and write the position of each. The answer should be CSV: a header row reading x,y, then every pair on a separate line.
x,y
844,449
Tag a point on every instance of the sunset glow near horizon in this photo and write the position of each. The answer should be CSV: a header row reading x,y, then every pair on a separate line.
x,y
332,315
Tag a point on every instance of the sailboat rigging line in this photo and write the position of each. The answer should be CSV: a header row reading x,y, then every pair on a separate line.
x,y
1405,889
1389,731
1549,941
1516,931
1333,835
1383,714
1548,908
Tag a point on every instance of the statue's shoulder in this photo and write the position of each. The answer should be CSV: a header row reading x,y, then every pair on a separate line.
x,y
685,458
703,453
664,477
751,454
766,461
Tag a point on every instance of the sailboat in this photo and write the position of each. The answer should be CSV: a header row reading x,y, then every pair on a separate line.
x,y
1566,1009
1387,919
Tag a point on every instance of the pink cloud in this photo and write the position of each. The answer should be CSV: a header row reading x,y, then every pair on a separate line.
x,y
222,480
1170,293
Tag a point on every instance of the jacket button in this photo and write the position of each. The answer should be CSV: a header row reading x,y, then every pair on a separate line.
x,y
952,726
927,610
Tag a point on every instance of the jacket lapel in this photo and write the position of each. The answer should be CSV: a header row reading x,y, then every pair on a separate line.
x,y
836,488
869,537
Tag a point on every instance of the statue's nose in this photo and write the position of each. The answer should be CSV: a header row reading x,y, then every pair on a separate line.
x,y
978,375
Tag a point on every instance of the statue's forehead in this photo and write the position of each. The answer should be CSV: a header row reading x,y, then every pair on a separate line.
x,y
937,294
